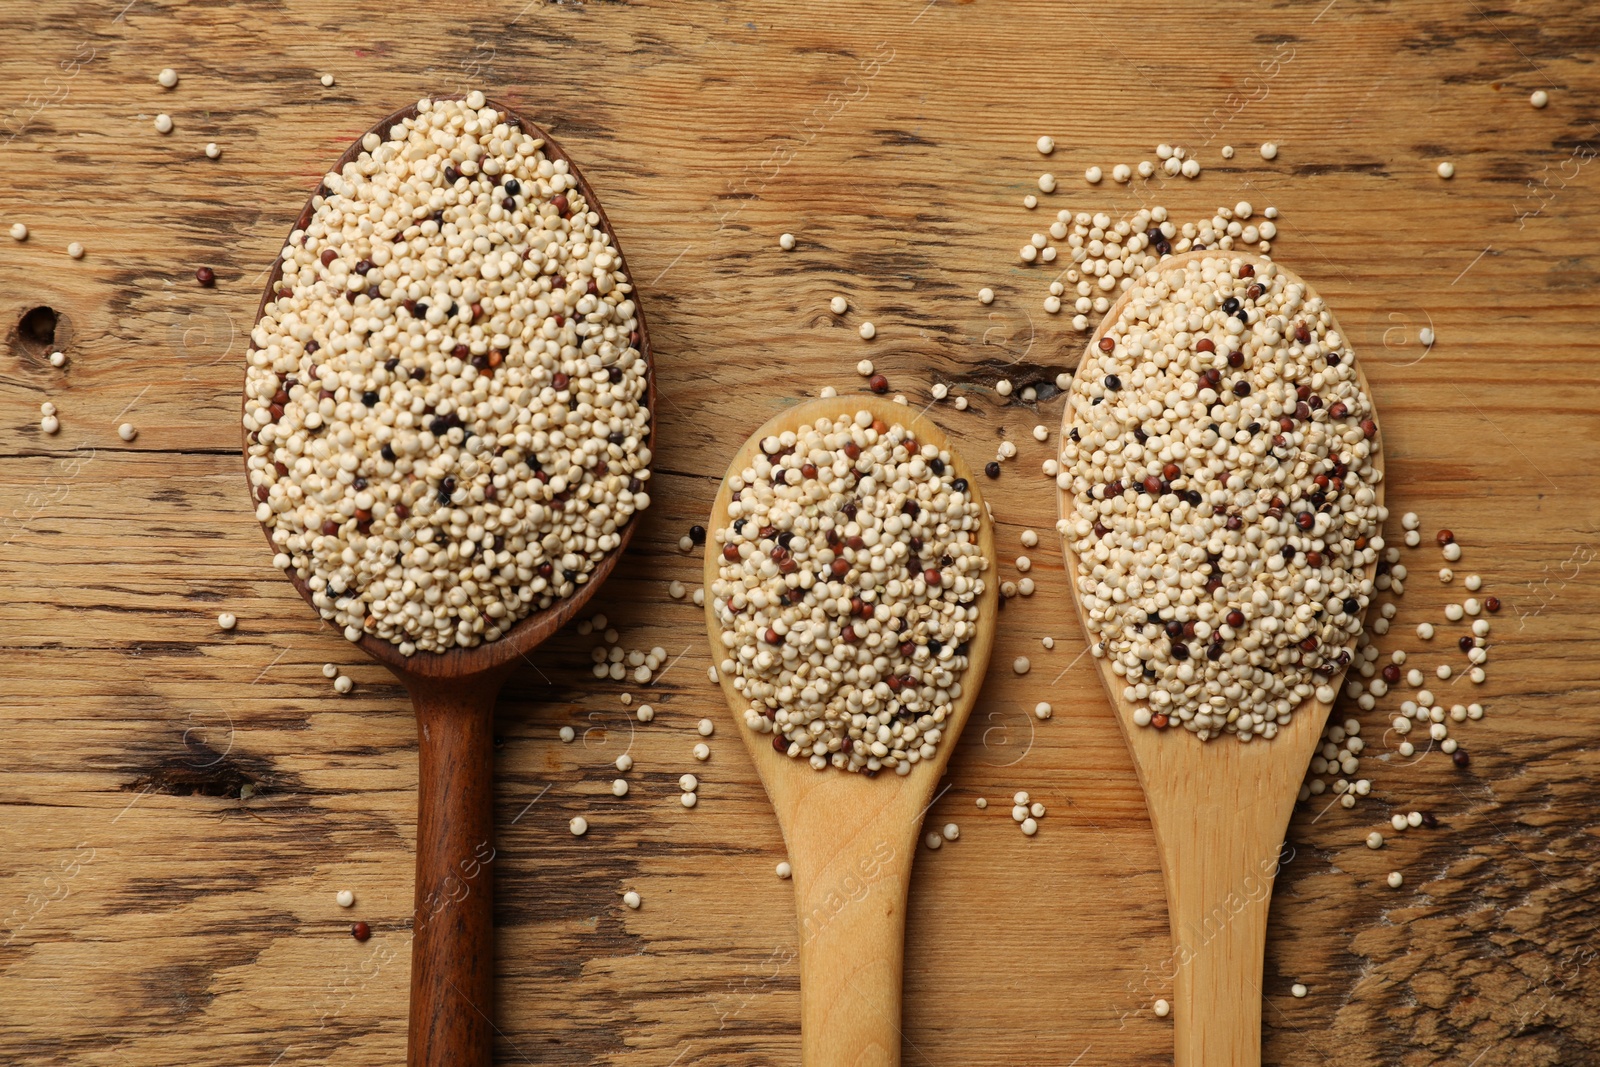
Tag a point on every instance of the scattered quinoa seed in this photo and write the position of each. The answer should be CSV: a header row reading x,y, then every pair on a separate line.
x,y
578,825
345,898
1298,990
867,331
1396,879
19,231
986,296
1269,151
1046,145
75,250
632,899
330,670
786,242
163,123
326,80
839,305
784,870
1093,175
127,431
343,684
1447,169
212,151
1021,665
1162,1009
167,78
227,620
1539,99
58,359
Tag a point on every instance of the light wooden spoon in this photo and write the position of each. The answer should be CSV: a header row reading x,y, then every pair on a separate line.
x,y
1220,809
852,838
452,951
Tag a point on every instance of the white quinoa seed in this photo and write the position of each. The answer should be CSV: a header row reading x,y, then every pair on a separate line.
x,y
444,547
344,898
933,840
75,250
19,231
689,800
1447,169
1047,183
982,803
796,526
227,620
578,825
50,424
127,431
1268,606
1162,1009
1269,151
1021,665
702,752
1227,151
839,305
784,869
1030,826
1539,98
619,787
1030,201
867,331
951,831
624,763
986,296
343,684
645,713
1093,175
1298,990
1042,710
1375,840
163,123
168,78
58,359
1396,879
786,242
707,727
326,80
213,151
1046,145
632,899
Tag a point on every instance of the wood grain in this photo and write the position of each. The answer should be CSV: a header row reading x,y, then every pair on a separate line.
x,y
851,838
895,141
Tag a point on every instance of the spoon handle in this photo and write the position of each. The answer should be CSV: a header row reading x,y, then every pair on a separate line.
x,y
851,879
452,952
1220,860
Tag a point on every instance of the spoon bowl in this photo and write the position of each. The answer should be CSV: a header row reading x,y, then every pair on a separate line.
x,y
851,838
454,692
1220,810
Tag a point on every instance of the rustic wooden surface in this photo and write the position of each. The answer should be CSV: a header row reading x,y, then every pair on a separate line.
x,y
150,914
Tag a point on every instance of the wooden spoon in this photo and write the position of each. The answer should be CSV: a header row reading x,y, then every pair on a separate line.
x,y
852,838
452,954
1220,809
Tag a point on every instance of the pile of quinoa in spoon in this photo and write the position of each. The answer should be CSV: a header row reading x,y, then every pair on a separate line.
x,y
847,592
445,398
1223,501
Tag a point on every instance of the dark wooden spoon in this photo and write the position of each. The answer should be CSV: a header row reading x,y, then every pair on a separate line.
x,y
452,954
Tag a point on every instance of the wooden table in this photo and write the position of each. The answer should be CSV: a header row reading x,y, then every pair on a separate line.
x,y
181,804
